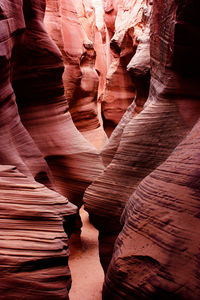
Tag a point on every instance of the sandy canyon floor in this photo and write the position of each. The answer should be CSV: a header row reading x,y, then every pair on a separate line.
x,y
87,274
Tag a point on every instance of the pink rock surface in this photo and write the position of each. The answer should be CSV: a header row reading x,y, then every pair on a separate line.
x,y
44,110
156,254
34,246
17,147
126,22
147,141
72,26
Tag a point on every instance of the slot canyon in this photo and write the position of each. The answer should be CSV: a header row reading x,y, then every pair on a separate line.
x,y
100,150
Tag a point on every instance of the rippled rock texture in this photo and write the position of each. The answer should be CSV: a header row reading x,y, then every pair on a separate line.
x,y
34,219
145,142
34,246
156,255
37,82
73,27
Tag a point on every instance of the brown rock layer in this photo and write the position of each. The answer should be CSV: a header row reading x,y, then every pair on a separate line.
x,y
156,255
146,142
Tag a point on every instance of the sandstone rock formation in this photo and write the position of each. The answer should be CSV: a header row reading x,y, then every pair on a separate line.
x,y
34,246
139,66
156,255
17,147
146,141
111,147
37,82
72,26
127,23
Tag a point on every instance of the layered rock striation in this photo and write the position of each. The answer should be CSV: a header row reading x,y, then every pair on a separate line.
x,y
139,70
156,253
34,218
146,141
34,246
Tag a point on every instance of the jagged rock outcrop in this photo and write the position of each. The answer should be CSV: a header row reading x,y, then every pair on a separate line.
x,y
34,246
72,26
37,81
156,255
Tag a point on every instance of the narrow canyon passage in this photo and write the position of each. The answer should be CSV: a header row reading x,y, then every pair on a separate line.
x,y
87,273
99,113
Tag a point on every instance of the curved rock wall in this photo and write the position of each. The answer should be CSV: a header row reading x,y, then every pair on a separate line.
x,y
96,57
72,26
147,140
37,82
127,23
17,147
33,244
156,255
139,69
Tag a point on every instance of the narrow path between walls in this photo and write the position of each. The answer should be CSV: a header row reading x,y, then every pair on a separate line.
x,y
87,274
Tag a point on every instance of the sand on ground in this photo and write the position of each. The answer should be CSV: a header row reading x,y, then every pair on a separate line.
x,y
87,273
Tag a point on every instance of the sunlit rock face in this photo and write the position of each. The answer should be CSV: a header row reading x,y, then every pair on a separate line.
x,y
37,81
33,243
127,23
156,255
72,26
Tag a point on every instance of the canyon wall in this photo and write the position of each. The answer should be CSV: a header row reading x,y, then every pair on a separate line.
x,y
145,203
37,81
156,255
17,147
138,134
101,78
73,27
127,43
34,245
